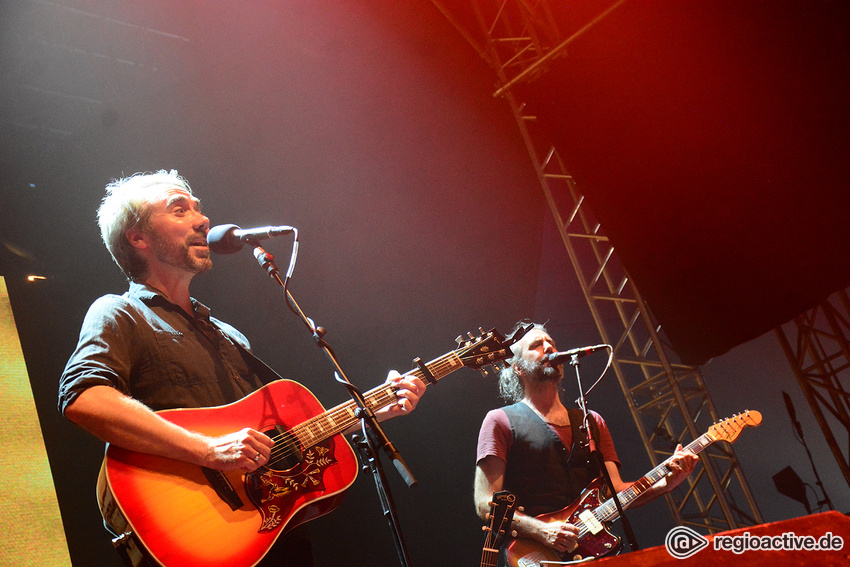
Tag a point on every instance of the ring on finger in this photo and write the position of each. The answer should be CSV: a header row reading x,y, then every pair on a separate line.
x,y
257,457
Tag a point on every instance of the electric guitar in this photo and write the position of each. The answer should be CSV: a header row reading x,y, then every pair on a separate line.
x,y
186,515
592,518
499,527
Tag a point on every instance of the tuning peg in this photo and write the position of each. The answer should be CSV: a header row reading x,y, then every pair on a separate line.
x,y
459,339
471,336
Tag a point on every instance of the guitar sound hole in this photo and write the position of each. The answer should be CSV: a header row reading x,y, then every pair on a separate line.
x,y
286,452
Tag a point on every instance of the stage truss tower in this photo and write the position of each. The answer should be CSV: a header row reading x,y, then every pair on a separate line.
x,y
817,344
669,401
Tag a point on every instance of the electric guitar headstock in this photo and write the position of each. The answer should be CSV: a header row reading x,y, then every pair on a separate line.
x,y
729,429
498,527
488,348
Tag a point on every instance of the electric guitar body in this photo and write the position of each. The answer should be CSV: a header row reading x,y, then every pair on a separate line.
x,y
593,517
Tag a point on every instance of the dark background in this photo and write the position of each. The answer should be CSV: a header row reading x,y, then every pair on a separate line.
x,y
709,137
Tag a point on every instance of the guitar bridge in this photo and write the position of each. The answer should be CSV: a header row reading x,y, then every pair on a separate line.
x,y
223,488
275,492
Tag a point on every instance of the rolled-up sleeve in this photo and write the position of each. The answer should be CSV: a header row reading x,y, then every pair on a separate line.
x,y
103,351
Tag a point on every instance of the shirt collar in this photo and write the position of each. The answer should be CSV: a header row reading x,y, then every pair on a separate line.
x,y
151,295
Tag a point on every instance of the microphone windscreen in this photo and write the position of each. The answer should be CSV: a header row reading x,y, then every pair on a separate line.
x,y
220,242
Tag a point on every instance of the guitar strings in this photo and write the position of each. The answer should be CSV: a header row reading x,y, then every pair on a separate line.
x,y
608,511
309,433
312,431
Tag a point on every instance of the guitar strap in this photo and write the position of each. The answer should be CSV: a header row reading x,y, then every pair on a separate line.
x,y
263,371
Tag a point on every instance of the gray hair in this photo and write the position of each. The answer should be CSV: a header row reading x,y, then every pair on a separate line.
x,y
126,204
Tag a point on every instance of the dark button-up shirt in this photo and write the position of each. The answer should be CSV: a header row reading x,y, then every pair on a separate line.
x,y
152,350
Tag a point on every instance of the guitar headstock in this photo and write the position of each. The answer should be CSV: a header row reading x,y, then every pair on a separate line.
x,y
488,348
501,515
729,429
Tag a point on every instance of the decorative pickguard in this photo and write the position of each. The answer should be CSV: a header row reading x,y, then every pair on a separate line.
x,y
274,490
599,541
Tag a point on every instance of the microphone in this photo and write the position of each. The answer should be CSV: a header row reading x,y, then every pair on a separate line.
x,y
792,413
562,357
789,405
229,238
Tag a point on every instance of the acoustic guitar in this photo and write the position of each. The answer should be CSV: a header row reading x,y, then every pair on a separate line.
x,y
186,515
498,527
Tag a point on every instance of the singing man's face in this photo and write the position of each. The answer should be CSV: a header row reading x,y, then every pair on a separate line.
x,y
177,231
533,347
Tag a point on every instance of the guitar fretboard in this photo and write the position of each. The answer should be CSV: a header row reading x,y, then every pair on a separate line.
x,y
337,419
607,512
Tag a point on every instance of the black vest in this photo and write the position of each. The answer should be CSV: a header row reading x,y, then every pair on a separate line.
x,y
544,475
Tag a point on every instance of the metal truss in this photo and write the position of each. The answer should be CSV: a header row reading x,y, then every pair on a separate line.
x,y
669,401
817,347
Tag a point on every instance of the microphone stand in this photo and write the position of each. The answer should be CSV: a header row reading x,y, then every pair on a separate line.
x,y
792,413
370,460
594,451
369,423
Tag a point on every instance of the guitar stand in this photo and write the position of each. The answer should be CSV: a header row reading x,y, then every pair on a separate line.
x,y
600,462
372,431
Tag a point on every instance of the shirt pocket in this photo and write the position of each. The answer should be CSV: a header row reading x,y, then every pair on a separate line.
x,y
184,361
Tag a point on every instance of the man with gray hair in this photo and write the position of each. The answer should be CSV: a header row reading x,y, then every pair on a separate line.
x,y
534,448
156,347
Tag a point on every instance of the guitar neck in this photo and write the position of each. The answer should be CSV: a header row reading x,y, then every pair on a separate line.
x,y
607,512
489,557
338,419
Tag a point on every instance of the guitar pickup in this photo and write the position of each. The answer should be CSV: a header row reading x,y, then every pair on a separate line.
x,y
223,488
591,522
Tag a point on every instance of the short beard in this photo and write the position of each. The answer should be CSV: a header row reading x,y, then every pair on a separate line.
x,y
536,371
179,256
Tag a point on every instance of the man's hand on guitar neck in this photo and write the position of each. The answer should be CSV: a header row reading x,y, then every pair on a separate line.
x,y
681,464
409,390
